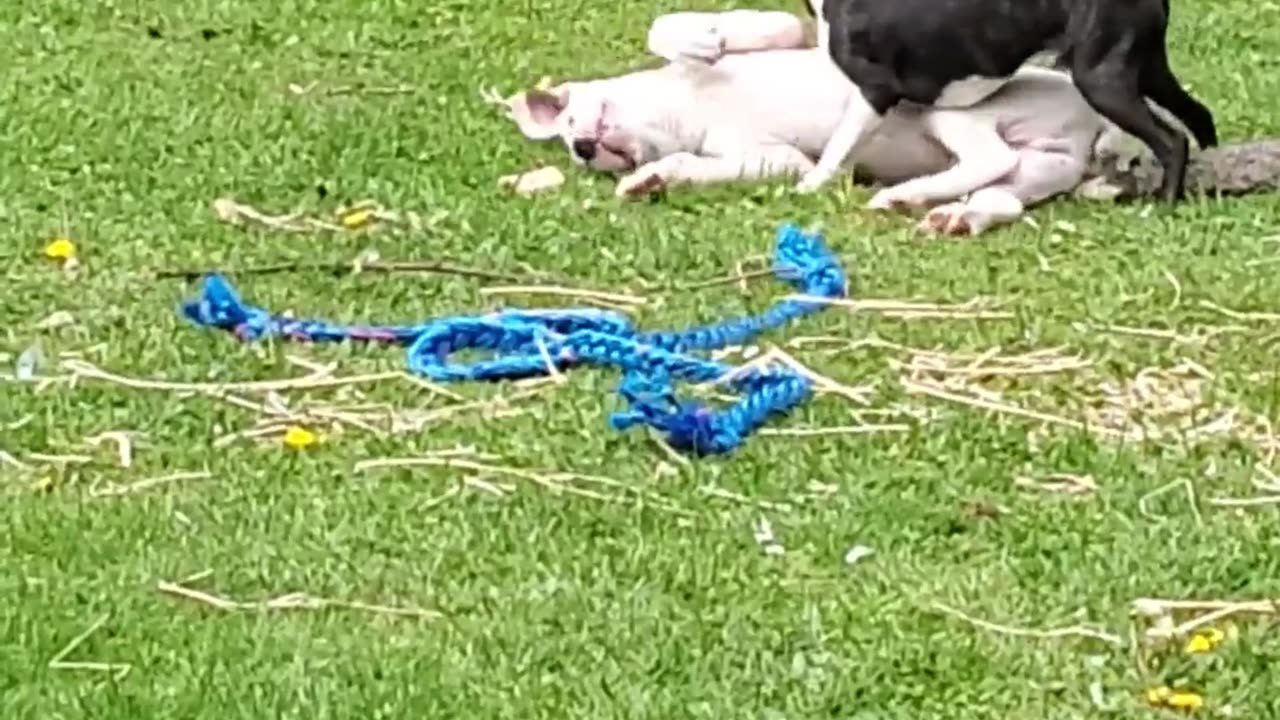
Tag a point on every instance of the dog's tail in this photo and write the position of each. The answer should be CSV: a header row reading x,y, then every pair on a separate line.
x,y
1159,84
1233,169
815,28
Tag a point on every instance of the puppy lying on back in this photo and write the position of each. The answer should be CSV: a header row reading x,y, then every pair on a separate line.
x,y
742,97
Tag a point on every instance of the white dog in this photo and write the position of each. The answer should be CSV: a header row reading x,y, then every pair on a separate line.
x,y
742,98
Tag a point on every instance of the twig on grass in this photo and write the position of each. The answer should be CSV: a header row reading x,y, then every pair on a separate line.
x,y
290,601
1054,633
498,406
8,459
1185,485
978,369
1152,333
1064,483
123,443
235,213
867,429
313,381
114,490
820,381
941,393
617,299
60,662
261,430
721,493
1246,502
556,482
1238,315
361,89
1199,334
971,310
1270,485
358,216
1177,289
411,462
280,415
59,459
739,278
665,448
353,267
1208,612
442,498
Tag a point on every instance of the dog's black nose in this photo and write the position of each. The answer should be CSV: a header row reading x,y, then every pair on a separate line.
x,y
585,149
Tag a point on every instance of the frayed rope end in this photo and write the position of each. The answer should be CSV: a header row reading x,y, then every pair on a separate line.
x,y
218,305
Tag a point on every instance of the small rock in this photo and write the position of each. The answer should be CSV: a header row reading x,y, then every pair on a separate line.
x,y
28,362
533,182
857,553
766,539
61,318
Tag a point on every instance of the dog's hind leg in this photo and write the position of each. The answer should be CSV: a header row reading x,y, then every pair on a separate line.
x,y
1114,91
1160,84
1040,175
982,157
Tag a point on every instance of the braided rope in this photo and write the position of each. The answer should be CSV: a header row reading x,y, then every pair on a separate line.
x,y
524,342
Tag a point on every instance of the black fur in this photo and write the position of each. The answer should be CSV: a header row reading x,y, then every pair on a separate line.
x,y
896,50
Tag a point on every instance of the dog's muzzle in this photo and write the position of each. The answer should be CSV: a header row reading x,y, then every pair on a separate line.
x,y
585,149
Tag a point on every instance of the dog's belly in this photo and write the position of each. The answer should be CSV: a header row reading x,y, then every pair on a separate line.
x,y
1043,109
899,151
791,96
968,92
797,97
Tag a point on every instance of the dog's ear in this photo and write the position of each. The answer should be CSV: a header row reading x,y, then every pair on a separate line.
x,y
535,111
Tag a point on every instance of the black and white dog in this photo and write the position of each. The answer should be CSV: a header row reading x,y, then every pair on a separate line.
x,y
953,53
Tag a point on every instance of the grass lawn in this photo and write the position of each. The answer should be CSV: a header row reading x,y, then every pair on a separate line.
x,y
123,121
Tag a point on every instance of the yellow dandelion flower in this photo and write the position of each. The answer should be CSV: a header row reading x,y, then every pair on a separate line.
x,y
1204,641
357,219
298,438
1185,701
1159,695
60,249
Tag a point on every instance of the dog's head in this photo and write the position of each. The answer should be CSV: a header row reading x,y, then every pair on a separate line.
x,y
597,130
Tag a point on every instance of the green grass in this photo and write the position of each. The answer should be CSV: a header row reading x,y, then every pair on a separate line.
x,y
561,606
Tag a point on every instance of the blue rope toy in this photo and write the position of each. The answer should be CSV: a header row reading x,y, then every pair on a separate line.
x,y
525,341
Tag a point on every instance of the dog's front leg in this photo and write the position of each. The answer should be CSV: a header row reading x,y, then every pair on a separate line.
x,y
707,36
757,163
860,119
982,158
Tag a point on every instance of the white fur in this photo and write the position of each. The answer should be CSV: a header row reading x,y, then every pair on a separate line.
x,y
739,99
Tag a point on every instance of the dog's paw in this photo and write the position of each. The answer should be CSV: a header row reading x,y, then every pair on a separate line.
x,y
646,180
705,47
812,182
953,219
896,200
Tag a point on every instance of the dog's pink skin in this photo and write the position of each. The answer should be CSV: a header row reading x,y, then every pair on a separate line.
x,y
740,99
